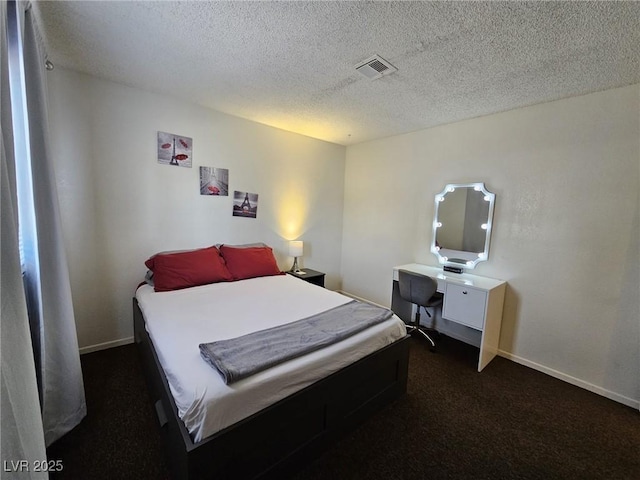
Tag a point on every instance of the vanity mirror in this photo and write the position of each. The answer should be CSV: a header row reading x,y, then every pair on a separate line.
x,y
462,225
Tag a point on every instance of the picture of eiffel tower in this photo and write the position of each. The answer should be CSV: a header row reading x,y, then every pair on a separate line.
x,y
174,149
214,181
245,204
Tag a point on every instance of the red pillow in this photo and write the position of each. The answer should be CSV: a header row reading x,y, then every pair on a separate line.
x,y
173,271
150,263
250,262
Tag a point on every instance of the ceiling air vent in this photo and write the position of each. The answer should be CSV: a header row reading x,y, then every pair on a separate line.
x,y
375,67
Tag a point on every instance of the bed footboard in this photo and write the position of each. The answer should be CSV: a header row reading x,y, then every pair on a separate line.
x,y
280,438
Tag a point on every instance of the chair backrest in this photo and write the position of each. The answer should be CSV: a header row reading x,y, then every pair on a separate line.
x,y
416,288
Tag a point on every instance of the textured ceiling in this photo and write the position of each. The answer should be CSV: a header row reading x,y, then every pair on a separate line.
x,y
291,64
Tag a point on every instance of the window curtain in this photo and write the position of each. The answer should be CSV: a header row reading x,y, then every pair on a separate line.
x,y
22,435
46,274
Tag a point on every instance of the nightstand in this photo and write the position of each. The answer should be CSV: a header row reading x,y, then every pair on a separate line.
x,y
311,276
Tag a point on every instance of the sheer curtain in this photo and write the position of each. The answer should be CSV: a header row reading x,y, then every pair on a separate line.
x,y
22,434
46,275
63,402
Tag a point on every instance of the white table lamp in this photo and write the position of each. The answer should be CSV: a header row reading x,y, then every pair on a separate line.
x,y
295,251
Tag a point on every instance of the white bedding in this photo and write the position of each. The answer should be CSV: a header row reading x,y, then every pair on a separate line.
x,y
180,320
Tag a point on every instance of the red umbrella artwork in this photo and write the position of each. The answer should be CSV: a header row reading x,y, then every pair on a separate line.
x,y
174,149
214,181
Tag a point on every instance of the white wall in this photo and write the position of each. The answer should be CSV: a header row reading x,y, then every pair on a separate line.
x,y
119,206
566,176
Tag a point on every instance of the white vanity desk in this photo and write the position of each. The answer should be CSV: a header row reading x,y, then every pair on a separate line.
x,y
470,300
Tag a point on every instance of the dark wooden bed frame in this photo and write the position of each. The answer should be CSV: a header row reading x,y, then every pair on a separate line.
x,y
276,441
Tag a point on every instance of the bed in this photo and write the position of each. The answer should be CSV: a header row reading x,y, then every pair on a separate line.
x,y
265,425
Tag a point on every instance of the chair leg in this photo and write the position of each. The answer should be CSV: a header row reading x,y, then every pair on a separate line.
x,y
416,327
426,335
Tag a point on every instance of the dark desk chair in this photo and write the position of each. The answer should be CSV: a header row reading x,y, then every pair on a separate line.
x,y
421,291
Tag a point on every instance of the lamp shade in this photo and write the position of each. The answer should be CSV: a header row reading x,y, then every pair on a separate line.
x,y
295,248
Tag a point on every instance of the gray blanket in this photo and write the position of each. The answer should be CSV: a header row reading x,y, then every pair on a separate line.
x,y
240,357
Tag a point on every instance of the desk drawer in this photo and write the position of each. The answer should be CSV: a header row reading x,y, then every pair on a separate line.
x,y
465,305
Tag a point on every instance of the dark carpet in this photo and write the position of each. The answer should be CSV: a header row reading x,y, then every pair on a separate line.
x,y
508,422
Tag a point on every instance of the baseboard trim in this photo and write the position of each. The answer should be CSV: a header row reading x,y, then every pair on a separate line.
x,y
633,403
105,345
572,380
630,402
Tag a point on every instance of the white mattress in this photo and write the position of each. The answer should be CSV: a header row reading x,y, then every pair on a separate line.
x,y
180,320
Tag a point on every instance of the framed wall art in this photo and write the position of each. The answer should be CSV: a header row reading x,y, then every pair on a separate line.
x,y
174,149
214,181
245,204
